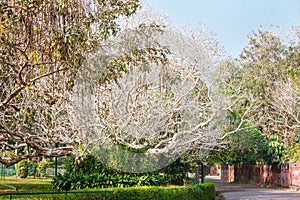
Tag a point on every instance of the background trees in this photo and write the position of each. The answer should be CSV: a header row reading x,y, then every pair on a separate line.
x,y
274,83
268,64
266,73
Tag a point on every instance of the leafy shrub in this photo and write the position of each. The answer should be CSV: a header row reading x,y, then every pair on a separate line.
x,y
71,181
276,150
294,153
88,165
22,168
176,179
42,166
175,173
91,173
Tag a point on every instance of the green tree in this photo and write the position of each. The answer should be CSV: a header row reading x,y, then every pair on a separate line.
x,y
243,146
23,168
268,68
262,63
265,76
42,167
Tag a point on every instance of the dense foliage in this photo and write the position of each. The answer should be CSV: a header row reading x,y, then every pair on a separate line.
x,y
245,146
42,167
91,173
102,180
22,168
267,74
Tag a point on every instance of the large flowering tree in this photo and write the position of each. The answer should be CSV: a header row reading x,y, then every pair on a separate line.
x,y
74,82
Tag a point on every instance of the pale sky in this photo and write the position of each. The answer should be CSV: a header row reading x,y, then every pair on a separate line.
x,y
232,20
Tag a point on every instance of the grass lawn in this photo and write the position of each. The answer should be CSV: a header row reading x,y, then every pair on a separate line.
x,y
31,185
26,185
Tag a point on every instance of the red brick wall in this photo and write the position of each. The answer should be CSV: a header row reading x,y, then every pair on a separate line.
x,y
285,175
270,175
227,173
277,176
213,171
295,174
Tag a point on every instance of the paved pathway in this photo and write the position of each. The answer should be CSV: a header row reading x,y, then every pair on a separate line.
x,y
233,191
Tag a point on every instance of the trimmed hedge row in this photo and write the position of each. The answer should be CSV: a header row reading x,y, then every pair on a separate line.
x,y
209,190
205,191
149,193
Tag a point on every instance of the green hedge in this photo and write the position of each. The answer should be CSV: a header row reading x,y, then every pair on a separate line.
x,y
209,190
204,191
183,193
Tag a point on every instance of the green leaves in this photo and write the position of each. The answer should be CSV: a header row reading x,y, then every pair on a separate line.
x,y
72,181
276,151
22,168
42,166
266,73
91,173
244,146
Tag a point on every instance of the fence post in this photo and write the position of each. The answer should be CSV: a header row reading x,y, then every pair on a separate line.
x,y
65,195
202,172
197,174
